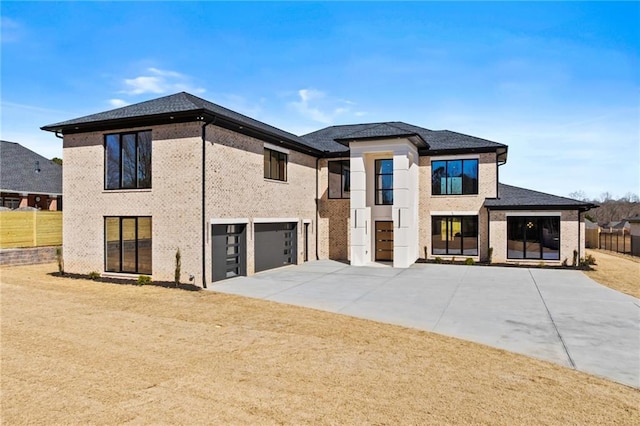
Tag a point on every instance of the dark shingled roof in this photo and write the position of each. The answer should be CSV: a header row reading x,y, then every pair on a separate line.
x,y
18,171
176,104
437,140
186,107
513,197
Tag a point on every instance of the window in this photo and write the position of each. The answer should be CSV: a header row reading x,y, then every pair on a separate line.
x,y
275,165
127,244
11,203
454,235
128,160
530,237
454,177
339,179
384,182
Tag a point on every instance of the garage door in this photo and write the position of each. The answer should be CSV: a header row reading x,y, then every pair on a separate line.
x,y
275,245
229,251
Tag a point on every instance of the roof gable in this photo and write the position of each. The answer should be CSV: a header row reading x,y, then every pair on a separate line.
x,y
437,141
179,107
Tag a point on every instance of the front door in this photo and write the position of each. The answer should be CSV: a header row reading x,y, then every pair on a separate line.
x,y
384,241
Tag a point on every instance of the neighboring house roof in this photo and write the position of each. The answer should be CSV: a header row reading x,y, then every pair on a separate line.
x,y
634,219
513,197
436,140
618,224
18,171
179,107
590,225
182,107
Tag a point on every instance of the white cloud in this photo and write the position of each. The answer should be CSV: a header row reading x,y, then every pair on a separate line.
x,y
10,29
317,106
118,103
159,82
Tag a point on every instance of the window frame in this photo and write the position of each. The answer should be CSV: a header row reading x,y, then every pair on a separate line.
x,y
377,189
121,269
448,220
345,179
281,157
539,225
465,188
120,184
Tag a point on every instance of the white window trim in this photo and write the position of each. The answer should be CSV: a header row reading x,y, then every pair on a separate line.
x,y
276,220
272,147
221,221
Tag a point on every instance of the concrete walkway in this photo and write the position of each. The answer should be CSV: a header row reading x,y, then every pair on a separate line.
x,y
556,315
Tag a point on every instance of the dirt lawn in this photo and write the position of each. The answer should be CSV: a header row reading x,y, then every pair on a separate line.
x,y
82,352
617,271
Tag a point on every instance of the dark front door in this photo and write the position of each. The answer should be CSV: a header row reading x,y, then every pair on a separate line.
x,y
384,240
229,251
275,245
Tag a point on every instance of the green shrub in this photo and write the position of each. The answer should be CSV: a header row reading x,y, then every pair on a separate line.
x,y
541,264
469,261
93,275
490,254
438,260
590,260
144,280
178,267
575,258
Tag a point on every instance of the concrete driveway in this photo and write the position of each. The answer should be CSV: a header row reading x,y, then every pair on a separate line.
x,y
556,315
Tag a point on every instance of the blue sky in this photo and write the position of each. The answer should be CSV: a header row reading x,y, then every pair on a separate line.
x,y
557,82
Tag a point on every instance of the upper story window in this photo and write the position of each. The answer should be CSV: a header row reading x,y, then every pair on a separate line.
x,y
275,165
339,179
454,177
384,182
128,160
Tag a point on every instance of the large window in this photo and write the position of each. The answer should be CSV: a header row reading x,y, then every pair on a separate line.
x,y
275,165
454,235
384,182
128,160
127,244
454,177
531,237
339,179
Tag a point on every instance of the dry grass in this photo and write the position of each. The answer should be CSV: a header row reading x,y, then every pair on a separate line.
x,y
81,352
617,271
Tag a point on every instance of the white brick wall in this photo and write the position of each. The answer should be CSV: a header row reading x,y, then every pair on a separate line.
x,y
235,188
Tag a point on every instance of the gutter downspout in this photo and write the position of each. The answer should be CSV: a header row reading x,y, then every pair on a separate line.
x,y
204,220
489,234
317,204
579,243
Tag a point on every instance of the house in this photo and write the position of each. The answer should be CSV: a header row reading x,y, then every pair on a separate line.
x,y
28,179
237,196
634,230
